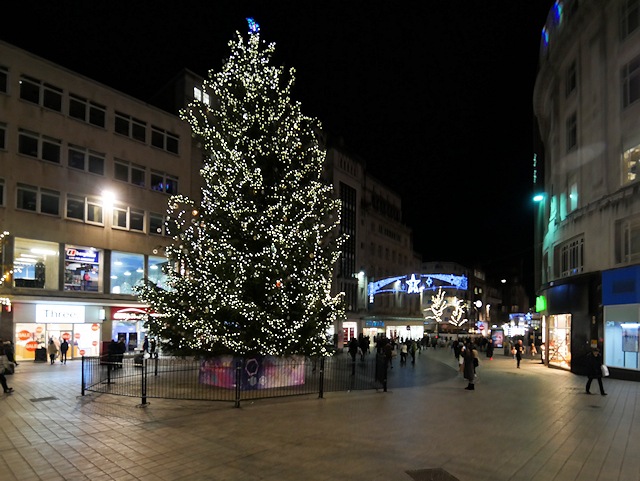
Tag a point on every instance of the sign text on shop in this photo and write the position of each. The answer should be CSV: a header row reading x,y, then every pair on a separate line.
x,y
59,313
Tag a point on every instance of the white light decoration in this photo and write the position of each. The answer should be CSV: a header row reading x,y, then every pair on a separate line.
x,y
251,265
438,304
458,311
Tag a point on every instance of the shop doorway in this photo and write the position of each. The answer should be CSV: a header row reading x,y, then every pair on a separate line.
x,y
560,340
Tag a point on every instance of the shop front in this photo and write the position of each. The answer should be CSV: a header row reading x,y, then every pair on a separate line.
x,y
621,305
127,324
37,324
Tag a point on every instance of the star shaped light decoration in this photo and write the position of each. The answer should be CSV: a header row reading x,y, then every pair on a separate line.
x,y
412,285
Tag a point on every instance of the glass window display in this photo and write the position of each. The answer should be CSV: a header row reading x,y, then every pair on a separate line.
x,y
82,269
560,340
621,336
36,264
156,274
127,270
29,338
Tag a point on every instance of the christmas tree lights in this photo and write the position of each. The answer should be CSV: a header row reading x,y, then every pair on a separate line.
x,y
252,260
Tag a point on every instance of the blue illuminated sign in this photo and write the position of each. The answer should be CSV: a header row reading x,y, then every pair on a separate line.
x,y
253,25
374,323
75,254
417,283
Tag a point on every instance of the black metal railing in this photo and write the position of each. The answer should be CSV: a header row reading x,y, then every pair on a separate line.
x,y
230,379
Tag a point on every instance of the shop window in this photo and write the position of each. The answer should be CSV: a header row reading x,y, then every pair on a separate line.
x,y
125,217
35,264
39,146
86,160
631,82
41,93
560,340
621,332
156,273
127,271
4,78
163,182
29,337
87,111
83,266
130,126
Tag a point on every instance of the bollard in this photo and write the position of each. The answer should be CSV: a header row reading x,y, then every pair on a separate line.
x,y
144,381
238,379
82,375
321,381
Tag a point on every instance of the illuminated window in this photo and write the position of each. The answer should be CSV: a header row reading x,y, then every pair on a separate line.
x,y
629,17
631,82
35,264
630,160
82,268
127,270
41,93
201,96
156,273
163,182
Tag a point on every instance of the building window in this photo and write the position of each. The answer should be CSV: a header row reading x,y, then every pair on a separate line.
x,y
629,18
201,96
39,146
347,261
87,160
82,267
124,217
44,94
164,182
130,126
84,209
3,136
156,273
131,173
35,264
39,200
571,81
630,158
164,140
87,111
631,82
4,78
127,271
572,257
572,132
156,224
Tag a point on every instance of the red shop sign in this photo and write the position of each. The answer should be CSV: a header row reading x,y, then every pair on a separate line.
x,y
39,329
94,343
95,327
31,346
66,336
24,335
82,352
77,335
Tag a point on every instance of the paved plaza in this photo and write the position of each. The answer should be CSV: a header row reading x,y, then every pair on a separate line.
x,y
519,424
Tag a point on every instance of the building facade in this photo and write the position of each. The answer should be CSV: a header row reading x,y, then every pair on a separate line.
x,y
85,176
587,106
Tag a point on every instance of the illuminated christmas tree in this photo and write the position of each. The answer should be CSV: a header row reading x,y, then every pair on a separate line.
x,y
253,259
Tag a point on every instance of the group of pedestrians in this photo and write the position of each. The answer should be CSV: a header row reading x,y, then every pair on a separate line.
x,y
52,351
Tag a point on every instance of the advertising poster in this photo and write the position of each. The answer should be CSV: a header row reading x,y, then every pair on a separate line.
x,y
498,338
630,339
259,372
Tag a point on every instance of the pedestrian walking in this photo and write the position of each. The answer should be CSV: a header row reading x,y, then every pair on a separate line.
x,y
519,351
152,348
594,370
64,347
10,352
52,350
403,353
490,349
145,345
467,367
5,365
388,353
412,350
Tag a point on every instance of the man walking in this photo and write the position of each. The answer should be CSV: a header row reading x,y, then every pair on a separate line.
x,y
594,370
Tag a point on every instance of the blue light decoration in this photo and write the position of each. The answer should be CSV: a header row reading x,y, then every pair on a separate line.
x,y
253,25
557,13
415,284
545,38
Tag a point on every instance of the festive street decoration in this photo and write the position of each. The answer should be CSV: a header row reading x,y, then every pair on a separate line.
x,y
252,260
458,311
438,304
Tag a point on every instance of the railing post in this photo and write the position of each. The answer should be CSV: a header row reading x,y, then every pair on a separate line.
x,y
238,379
144,381
109,367
156,367
83,375
321,381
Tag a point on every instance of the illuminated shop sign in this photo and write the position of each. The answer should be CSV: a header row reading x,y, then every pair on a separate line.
x,y
541,303
81,255
59,313
374,323
417,283
131,314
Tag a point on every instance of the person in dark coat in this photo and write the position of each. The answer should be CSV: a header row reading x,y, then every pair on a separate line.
x,y
594,370
353,348
64,347
152,348
122,348
145,345
490,349
468,368
388,353
10,352
519,351
112,350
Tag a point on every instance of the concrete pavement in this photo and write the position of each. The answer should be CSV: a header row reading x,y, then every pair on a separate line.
x,y
519,424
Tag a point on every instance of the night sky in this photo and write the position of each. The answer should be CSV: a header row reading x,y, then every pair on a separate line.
x,y
435,97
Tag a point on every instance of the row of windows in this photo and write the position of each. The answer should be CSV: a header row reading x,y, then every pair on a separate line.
x,y
52,97
50,149
402,259
88,209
